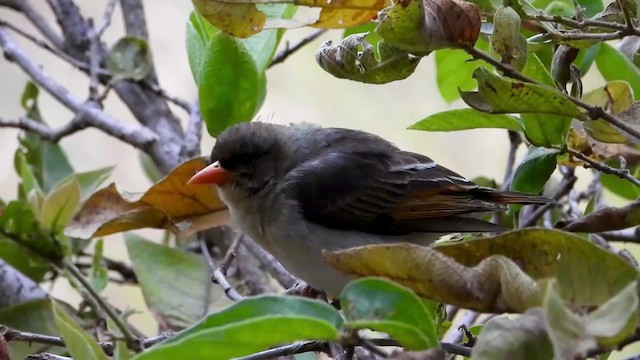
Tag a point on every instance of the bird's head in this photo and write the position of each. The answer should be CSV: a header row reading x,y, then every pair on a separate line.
x,y
246,157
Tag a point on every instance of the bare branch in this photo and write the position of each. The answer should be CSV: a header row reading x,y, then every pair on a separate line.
x,y
270,264
47,356
106,18
594,112
108,347
289,50
139,137
135,22
74,27
193,135
106,307
621,173
218,275
44,131
36,19
16,287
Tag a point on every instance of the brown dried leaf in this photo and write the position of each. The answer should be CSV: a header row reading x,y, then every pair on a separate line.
x,y
428,25
339,14
607,219
577,140
169,204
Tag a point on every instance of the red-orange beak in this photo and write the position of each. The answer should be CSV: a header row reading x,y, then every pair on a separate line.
x,y
212,174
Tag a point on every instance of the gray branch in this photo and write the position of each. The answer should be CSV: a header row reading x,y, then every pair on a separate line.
x,y
16,287
139,137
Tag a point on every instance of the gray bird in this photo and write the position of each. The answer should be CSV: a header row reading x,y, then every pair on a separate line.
x,y
299,189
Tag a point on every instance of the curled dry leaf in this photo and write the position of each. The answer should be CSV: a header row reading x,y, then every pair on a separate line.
x,y
345,61
427,25
607,219
169,204
495,274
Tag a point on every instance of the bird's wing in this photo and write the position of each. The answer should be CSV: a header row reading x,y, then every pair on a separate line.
x,y
392,193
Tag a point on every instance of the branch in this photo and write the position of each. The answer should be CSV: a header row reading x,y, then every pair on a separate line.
x,y
193,135
43,130
122,326
16,288
24,6
139,137
594,112
289,50
108,347
621,173
565,186
270,264
218,273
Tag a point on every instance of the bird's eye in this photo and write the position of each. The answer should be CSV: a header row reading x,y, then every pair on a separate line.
x,y
245,160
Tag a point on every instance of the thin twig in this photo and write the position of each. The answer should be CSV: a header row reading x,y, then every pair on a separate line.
x,y
621,173
44,131
108,347
217,275
108,309
289,50
563,189
580,24
140,137
231,253
40,22
270,264
106,18
514,143
594,112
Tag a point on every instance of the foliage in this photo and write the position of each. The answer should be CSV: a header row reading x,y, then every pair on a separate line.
x,y
561,293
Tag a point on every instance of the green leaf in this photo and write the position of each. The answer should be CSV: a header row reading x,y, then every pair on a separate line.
x,y
379,304
592,7
99,277
79,343
198,33
544,129
177,297
60,205
454,70
522,337
251,325
129,59
616,319
150,169
534,171
618,96
262,46
47,160
500,95
465,119
33,316
586,57
231,88
18,222
613,65
29,181
22,259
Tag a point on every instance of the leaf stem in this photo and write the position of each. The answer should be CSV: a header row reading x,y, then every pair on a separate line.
x,y
126,332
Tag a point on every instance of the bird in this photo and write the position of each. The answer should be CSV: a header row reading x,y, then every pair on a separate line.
x,y
299,189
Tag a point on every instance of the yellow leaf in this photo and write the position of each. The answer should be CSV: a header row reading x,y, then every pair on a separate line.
x,y
495,274
240,19
169,204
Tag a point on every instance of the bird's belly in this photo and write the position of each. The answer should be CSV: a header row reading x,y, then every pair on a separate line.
x,y
297,244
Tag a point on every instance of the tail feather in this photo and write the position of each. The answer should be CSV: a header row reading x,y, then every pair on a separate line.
x,y
514,197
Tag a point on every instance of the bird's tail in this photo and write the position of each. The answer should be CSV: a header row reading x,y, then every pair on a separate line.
x,y
514,197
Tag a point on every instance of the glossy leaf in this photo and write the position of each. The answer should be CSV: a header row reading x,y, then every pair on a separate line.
x,y
231,88
613,65
465,119
381,305
534,171
454,70
176,297
99,275
251,325
540,129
